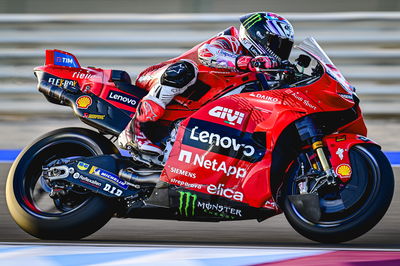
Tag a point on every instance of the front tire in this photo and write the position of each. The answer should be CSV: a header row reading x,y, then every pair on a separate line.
x,y
71,217
359,204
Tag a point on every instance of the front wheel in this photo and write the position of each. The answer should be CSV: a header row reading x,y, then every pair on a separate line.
x,y
353,208
72,215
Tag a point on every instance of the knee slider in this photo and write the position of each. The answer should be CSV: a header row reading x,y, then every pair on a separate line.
x,y
179,74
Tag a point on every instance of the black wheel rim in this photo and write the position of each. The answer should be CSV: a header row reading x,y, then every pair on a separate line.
x,y
29,192
352,198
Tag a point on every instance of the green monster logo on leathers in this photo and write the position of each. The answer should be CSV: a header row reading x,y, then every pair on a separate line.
x,y
187,200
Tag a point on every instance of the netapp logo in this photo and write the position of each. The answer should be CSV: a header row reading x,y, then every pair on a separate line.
x,y
223,140
122,98
230,116
214,165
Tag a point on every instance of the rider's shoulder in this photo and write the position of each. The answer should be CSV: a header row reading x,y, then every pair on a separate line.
x,y
230,31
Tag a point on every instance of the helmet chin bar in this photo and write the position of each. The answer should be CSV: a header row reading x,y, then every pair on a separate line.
x,y
249,44
254,48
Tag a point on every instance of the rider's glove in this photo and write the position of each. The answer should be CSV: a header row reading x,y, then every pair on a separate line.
x,y
257,63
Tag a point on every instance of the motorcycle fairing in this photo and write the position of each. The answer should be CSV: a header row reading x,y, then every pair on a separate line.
x,y
61,58
196,162
196,206
339,146
114,86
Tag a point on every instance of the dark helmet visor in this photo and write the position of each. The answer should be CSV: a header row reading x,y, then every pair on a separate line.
x,y
281,47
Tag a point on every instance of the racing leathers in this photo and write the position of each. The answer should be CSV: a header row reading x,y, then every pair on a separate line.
x,y
171,78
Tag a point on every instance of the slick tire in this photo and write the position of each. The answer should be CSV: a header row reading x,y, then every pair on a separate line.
x,y
89,216
369,195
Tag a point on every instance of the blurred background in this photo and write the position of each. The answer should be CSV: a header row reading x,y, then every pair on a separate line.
x,y
361,37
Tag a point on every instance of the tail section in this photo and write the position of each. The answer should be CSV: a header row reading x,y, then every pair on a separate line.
x,y
61,58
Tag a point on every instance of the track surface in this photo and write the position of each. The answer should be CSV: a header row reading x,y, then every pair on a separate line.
x,y
272,232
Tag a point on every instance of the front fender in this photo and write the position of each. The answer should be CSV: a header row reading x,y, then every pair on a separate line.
x,y
339,146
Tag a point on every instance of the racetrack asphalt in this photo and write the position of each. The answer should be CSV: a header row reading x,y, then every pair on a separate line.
x,y
275,232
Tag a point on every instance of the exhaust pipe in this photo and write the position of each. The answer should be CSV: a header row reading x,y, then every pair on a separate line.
x,y
52,91
129,176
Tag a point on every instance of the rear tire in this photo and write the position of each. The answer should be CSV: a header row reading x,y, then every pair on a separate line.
x,y
363,201
81,215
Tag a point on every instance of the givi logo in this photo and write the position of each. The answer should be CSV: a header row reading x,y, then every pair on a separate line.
x,y
232,117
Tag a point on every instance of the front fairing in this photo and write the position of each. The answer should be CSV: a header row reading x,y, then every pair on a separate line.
x,y
226,147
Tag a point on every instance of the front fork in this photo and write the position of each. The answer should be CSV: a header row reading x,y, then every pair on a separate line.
x,y
310,134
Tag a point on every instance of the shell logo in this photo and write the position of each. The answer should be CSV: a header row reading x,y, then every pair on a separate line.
x,y
344,170
84,102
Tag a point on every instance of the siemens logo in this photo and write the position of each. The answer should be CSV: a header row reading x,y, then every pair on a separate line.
x,y
123,98
222,140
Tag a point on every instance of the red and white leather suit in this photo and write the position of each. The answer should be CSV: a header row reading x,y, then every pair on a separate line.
x,y
171,78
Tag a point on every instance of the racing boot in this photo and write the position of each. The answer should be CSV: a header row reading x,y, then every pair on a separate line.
x,y
133,137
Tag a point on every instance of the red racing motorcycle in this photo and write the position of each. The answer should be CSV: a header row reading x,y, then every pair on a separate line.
x,y
237,146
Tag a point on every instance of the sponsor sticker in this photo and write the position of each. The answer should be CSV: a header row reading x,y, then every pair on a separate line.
x,y
365,139
94,116
84,102
189,203
265,97
182,172
61,59
83,166
339,153
123,98
109,176
81,75
223,140
340,138
304,101
344,170
87,180
214,165
63,83
229,116
346,96
112,190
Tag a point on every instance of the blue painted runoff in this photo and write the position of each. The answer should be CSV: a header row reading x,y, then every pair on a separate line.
x,y
10,155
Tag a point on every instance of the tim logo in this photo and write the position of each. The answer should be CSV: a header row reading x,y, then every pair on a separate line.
x,y
230,116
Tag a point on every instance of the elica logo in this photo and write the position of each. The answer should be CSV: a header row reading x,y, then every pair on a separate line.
x,y
122,98
214,165
232,117
225,192
187,203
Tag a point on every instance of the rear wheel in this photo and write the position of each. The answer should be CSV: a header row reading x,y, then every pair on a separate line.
x,y
71,215
351,209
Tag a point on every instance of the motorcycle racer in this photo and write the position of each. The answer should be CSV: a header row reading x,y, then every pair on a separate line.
x,y
263,41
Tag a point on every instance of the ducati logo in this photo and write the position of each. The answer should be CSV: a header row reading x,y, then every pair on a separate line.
x,y
232,117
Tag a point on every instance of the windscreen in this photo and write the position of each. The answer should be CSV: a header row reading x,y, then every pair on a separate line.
x,y
311,47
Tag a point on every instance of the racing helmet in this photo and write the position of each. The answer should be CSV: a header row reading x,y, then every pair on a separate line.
x,y
265,33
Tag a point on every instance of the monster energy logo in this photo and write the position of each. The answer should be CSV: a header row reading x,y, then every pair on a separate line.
x,y
249,22
187,200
